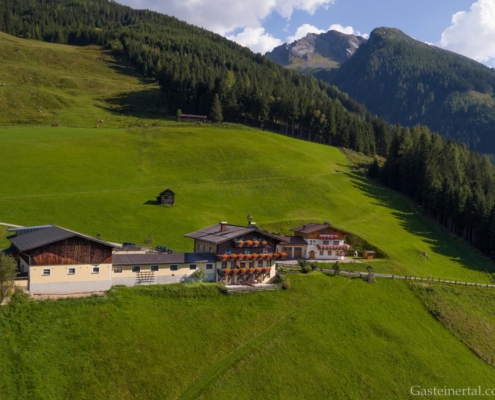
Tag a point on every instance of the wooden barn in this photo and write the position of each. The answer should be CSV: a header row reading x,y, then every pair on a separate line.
x,y
166,197
58,260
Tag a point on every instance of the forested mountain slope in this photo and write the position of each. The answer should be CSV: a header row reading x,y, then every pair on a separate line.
x,y
409,82
194,66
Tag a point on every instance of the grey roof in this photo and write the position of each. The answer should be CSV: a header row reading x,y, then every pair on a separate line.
x,y
293,240
46,236
161,258
22,230
312,227
215,235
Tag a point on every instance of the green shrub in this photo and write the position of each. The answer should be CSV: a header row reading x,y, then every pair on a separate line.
x,y
306,269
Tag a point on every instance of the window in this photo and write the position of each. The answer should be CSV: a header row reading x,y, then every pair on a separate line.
x,y
321,253
251,264
232,264
192,267
265,250
336,242
247,251
268,263
96,270
326,242
199,247
71,271
210,250
46,272
117,270
260,263
173,268
228,251
329,253
209,266
224,264
204,248
243,264
136,268
154,268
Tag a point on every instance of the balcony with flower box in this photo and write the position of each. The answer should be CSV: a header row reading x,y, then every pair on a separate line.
x,y
325,236
251,243
333,247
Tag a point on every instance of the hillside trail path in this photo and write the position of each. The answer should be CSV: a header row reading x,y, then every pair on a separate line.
x,y
10,225
210,376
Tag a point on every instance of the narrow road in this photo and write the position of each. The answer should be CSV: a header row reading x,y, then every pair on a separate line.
x,y
10,225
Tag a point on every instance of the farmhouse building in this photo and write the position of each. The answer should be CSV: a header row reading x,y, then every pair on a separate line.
x,y
244,253
57,260
54,260
315,242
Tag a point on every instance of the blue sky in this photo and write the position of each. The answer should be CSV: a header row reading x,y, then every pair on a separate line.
x,y
464,26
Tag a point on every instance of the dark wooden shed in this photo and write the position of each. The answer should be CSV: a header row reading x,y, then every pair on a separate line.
x,y
166,197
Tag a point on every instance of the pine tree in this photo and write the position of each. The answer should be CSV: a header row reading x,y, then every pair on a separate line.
x,y
216,109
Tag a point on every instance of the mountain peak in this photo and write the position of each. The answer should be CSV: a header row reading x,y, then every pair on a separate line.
x,y
325,50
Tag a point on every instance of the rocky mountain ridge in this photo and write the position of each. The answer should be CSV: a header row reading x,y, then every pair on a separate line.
x,y
317,51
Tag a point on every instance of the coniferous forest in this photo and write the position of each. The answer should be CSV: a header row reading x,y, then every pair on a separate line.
x,y
203,73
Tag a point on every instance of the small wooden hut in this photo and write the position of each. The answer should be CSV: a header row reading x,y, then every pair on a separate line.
x,y
368,254
166,197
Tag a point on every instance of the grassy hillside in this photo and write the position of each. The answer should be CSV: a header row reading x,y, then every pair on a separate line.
x,y
44,83
323,338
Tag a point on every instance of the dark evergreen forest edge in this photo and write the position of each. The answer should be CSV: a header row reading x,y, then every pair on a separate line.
x,y
201,72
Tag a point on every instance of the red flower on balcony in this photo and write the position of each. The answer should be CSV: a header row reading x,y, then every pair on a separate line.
x,y
240,256
267,270
269,256
264,243
225,256
236,271
243,270
227,271
261,256
259,270
240,243
251,270
249,243
249,256
276,255
284,254
255,256
233,256
256,243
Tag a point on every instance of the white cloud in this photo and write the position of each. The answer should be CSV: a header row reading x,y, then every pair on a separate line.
x,y
348,30
256,39
224,16
472,32
302,31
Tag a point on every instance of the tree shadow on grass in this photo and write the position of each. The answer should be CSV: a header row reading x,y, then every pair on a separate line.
x,y
148,103
433,234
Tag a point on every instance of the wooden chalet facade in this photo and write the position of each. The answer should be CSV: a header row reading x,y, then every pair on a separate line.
x,y
166,197
315,242
244,254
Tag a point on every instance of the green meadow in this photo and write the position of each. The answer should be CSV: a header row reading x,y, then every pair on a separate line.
x,y
325,337
105,181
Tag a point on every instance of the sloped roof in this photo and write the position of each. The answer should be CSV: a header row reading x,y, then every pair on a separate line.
x,y
215,235
311,227
293,240
167,191
46,236
161,258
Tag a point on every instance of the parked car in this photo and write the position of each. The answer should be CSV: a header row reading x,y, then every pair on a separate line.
x,y
163,249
